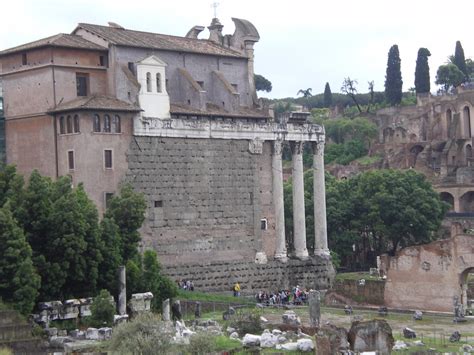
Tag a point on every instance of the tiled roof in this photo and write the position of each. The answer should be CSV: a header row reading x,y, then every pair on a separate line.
x,y
95,102
59,40
124,37
216,111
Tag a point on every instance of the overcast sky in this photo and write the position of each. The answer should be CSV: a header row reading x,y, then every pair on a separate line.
x,y
303,43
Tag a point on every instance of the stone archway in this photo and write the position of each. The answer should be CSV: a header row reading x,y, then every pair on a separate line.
x,y
448,198
414,152
466,299
466,118
466,202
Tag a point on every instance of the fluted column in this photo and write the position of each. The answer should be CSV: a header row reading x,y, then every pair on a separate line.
x,y
319,196
299,225
277,176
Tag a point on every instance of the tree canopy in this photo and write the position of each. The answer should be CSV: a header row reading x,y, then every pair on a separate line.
x,y
422,72
393,78
262,83
449,76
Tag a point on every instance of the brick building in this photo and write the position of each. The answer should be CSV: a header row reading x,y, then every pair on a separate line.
x,y
179,119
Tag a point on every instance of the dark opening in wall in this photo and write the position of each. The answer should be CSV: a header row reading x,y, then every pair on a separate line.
x,y
24,59
158,204
263,224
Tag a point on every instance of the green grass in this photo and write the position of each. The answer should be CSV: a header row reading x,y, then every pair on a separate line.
x,y
356,276
212,297
440,346
223,343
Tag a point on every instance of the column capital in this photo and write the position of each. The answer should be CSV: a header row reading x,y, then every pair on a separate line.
x,y
277,147
318,148
297,147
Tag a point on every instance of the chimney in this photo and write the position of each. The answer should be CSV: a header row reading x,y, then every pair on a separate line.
x,y
215,31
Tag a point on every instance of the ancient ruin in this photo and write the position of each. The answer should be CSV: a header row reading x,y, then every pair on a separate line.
x,y
179,119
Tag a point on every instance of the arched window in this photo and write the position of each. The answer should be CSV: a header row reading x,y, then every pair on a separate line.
x,y
106,123
158,82
69,124
76,124
96,123
467,122
116,124
148,82
449,119
62,126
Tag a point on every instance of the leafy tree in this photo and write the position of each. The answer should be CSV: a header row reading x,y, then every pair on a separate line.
x,y
19,281
422,72
102,310
393,78
12,189
349,88
449,76
127,210
112,259
262,83
383,210
470,68
134,276
459,59
343,129
327,96
161,286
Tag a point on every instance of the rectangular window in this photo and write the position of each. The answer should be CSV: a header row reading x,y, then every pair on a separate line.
x,y
263,224
104,61
81,84
131,67
107,197
158,204
201,84
70,159
108,159
24,59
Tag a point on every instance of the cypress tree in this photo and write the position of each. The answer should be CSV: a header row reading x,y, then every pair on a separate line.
x,y
422,72
327,96
393,79
459,59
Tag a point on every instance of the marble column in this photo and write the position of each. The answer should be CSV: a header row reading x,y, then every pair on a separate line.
x,y
277,176
122,299
319,196
299,224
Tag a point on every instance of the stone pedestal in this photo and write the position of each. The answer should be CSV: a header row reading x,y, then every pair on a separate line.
x,y
278,203
122,298
165,312
319,191
299,224
314,301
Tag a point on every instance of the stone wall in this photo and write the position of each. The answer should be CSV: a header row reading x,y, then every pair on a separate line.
x,y
371,292
316,273
206,198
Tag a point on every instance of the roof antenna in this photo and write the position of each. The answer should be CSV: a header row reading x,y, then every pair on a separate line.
x,y
215,4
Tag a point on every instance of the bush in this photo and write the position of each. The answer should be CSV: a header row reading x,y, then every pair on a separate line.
x,y
102,310
202,343
247,321
145,334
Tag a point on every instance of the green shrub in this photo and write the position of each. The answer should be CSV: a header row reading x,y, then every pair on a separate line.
x,y
247,321
145,334
5,351
202,343
102,310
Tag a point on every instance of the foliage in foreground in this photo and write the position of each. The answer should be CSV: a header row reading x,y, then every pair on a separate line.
x,y
102,310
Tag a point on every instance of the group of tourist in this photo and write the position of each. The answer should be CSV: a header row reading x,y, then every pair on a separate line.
x,y
297,296
185,285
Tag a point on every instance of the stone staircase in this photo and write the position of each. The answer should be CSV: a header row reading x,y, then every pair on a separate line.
x,y
15,334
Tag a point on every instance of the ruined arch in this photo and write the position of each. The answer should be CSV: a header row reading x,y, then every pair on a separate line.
x,y
448,198
466,202
463,280
449,121
466,119
414,152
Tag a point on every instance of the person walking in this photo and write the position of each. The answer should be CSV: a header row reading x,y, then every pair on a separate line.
x,y
237,289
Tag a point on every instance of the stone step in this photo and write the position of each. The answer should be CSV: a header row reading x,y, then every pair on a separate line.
x,y
15,331
8,317
30,346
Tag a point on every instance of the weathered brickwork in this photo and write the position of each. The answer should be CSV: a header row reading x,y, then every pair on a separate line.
x,y
204,196
316,272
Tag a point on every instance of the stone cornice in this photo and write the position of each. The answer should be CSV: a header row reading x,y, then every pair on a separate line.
x,y
227,129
